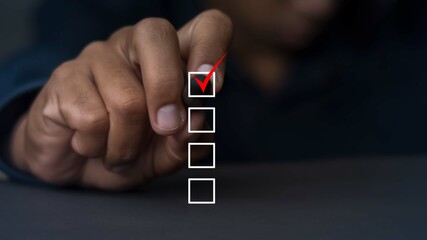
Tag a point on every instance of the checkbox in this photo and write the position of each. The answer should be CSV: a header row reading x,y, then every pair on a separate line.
x,y
195,90
201,191
207,110
208,162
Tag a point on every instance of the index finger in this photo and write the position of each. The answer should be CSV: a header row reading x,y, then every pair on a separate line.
x,y
204,40
156,46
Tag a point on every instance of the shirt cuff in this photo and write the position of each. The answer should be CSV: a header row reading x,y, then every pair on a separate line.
x,y
13,105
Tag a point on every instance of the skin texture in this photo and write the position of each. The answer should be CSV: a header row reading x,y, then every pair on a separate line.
x,y
114,118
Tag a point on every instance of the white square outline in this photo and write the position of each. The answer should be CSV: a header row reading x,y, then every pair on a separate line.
x,y
201,202
201,144
201,96
201,131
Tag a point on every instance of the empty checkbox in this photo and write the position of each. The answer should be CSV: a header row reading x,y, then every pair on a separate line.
x,y
207,162
209,115
201,191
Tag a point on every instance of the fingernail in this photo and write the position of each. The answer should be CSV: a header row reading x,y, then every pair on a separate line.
x,y
208,68
205,68
169,117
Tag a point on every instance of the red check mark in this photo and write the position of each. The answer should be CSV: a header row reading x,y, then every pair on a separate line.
x,y
203,84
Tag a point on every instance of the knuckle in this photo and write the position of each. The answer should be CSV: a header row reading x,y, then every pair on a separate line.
x,y
66,73
96,46
80,119
216,16
49,111
95,121
154,28
83,150
119,33
129,105
66,109
95,150
65,70
154,24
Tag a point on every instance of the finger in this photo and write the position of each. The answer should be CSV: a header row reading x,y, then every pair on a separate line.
x,y
85,112
157,50
123,95
204,40
68,109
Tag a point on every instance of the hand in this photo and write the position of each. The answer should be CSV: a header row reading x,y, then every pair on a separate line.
x,y
113,118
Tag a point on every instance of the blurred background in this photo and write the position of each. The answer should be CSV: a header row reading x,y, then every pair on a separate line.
x,y
16,26
386,67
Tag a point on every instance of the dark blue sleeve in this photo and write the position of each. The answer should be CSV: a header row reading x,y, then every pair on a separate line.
x,y
12,106
20,81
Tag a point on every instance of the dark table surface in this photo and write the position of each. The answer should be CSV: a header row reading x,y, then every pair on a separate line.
x,y
333,199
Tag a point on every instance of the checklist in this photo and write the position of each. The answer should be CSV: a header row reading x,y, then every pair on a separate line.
x,y
202,85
